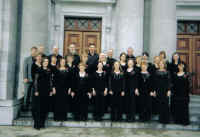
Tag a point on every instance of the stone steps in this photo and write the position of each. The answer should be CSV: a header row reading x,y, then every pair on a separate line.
x,y
194,107
108,124
195,118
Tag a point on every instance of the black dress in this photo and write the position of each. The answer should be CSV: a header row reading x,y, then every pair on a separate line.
x,y
145,102
40,106
62,84
116,85
100,84
131,83
81,88
152,70
54,72
181,99
124,67
162,83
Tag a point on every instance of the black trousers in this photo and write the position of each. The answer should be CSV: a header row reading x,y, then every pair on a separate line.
x,y
116,107
99,106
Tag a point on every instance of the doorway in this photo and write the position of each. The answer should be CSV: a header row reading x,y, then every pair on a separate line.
x,y
188,46
82,32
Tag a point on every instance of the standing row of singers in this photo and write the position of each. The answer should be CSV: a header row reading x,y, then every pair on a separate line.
x,y
128,86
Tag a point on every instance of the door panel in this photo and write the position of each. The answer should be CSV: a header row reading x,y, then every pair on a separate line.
x,y
196,64
91,38
73,37
184,48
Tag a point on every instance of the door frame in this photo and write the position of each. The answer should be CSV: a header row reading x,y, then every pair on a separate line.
x,y
64,9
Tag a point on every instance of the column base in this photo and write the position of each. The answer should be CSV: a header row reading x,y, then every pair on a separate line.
x,y
9,110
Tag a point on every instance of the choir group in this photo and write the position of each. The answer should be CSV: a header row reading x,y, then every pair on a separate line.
x,y
131,85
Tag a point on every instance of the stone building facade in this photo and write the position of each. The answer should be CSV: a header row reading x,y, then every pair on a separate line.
x,y
145,25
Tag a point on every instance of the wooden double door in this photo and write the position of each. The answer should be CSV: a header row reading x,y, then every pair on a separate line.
x,y
188,46
82,40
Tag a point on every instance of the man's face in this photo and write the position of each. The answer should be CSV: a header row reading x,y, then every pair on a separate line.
x,y
55,51
33,52
91,49
41,49
72,49
130,51
110,53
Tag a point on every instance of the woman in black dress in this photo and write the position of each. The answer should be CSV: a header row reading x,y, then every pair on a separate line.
x,y
162,88
117,92
36,66
123,63
180,95
43,88
138,64
173,69
145,93
81,93
152,70
63,85
106,65
100,91
131,86
54,70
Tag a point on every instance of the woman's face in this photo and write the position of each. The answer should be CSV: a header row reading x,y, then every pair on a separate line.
x,y
82,68
144,67
39,58
138,60
123,57
53,59
62,62
176,57
102,57
162,56
130,63
156,60
116,65
45,63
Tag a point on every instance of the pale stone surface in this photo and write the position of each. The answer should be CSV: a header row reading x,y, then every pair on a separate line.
x,y
163,27
34,32
91,132
130,15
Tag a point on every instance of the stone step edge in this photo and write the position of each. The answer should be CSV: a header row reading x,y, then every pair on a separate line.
x,y
105,124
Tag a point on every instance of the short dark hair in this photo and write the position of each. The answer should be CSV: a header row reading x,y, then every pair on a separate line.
x,y
34,48
145,54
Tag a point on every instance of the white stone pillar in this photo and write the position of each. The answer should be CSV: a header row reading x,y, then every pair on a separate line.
x,y
130,25
163,27
8,48
34,31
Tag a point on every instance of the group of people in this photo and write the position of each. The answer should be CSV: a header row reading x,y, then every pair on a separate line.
x,y
131,85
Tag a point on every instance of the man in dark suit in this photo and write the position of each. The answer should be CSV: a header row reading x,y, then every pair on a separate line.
x,y
72,51
93,59
41,50
55,53
28,82
130,54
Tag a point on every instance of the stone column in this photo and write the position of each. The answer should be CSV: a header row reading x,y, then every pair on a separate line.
x,y
34,31
8,47
163,27
130,25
